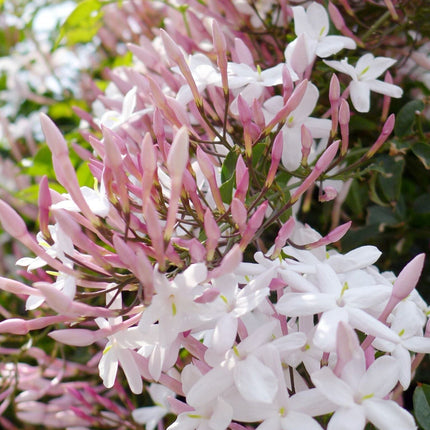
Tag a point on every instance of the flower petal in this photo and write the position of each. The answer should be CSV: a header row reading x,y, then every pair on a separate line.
x,y
360,96
388,415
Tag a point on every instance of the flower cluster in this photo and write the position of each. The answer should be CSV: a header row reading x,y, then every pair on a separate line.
x,y
186,264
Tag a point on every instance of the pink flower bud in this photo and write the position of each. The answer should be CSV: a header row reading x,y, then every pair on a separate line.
x,y
213,234
207,167
386,131
335,235
277,148
241,53
307,140
44,205
12,222
404,284
239,214
282,237
344,117
334,94
322,164
253,225
228,264
328,194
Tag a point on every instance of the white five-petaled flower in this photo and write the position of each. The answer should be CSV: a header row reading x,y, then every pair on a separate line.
x,y
319,127
364,75
360,395
204,74
312,25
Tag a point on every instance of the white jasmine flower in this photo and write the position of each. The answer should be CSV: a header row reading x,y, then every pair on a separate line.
x,y
364,75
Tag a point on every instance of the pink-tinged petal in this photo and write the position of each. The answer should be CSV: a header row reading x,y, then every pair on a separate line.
x,y
333,388
380,378
75,337
149,415
218,379
325,333
229,263
360,96
298,304
131,370
408,277
385,88
388,415
255,381
354,416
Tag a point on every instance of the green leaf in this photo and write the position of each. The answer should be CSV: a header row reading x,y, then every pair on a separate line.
x,y
390,182
406,117
229,166
257,152
41,164
421,400
422,151
82,24
382,217
226,190
84,175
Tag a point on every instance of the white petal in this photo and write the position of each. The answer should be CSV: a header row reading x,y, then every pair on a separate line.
x,y
342,66
209,386
385,88
360,96
333,388
376,66
380,378
298,304
319,127
131,370
356,259
354,416
325,333
292,149
108,367
318,20
331,45
364,322
149,416
221,416
298,421
255,381
417,344
388,415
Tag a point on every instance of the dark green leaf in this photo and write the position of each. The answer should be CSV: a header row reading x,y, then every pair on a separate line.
x,y
257,152
382,217
422,151
406,117
229,166
421,400
390,182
